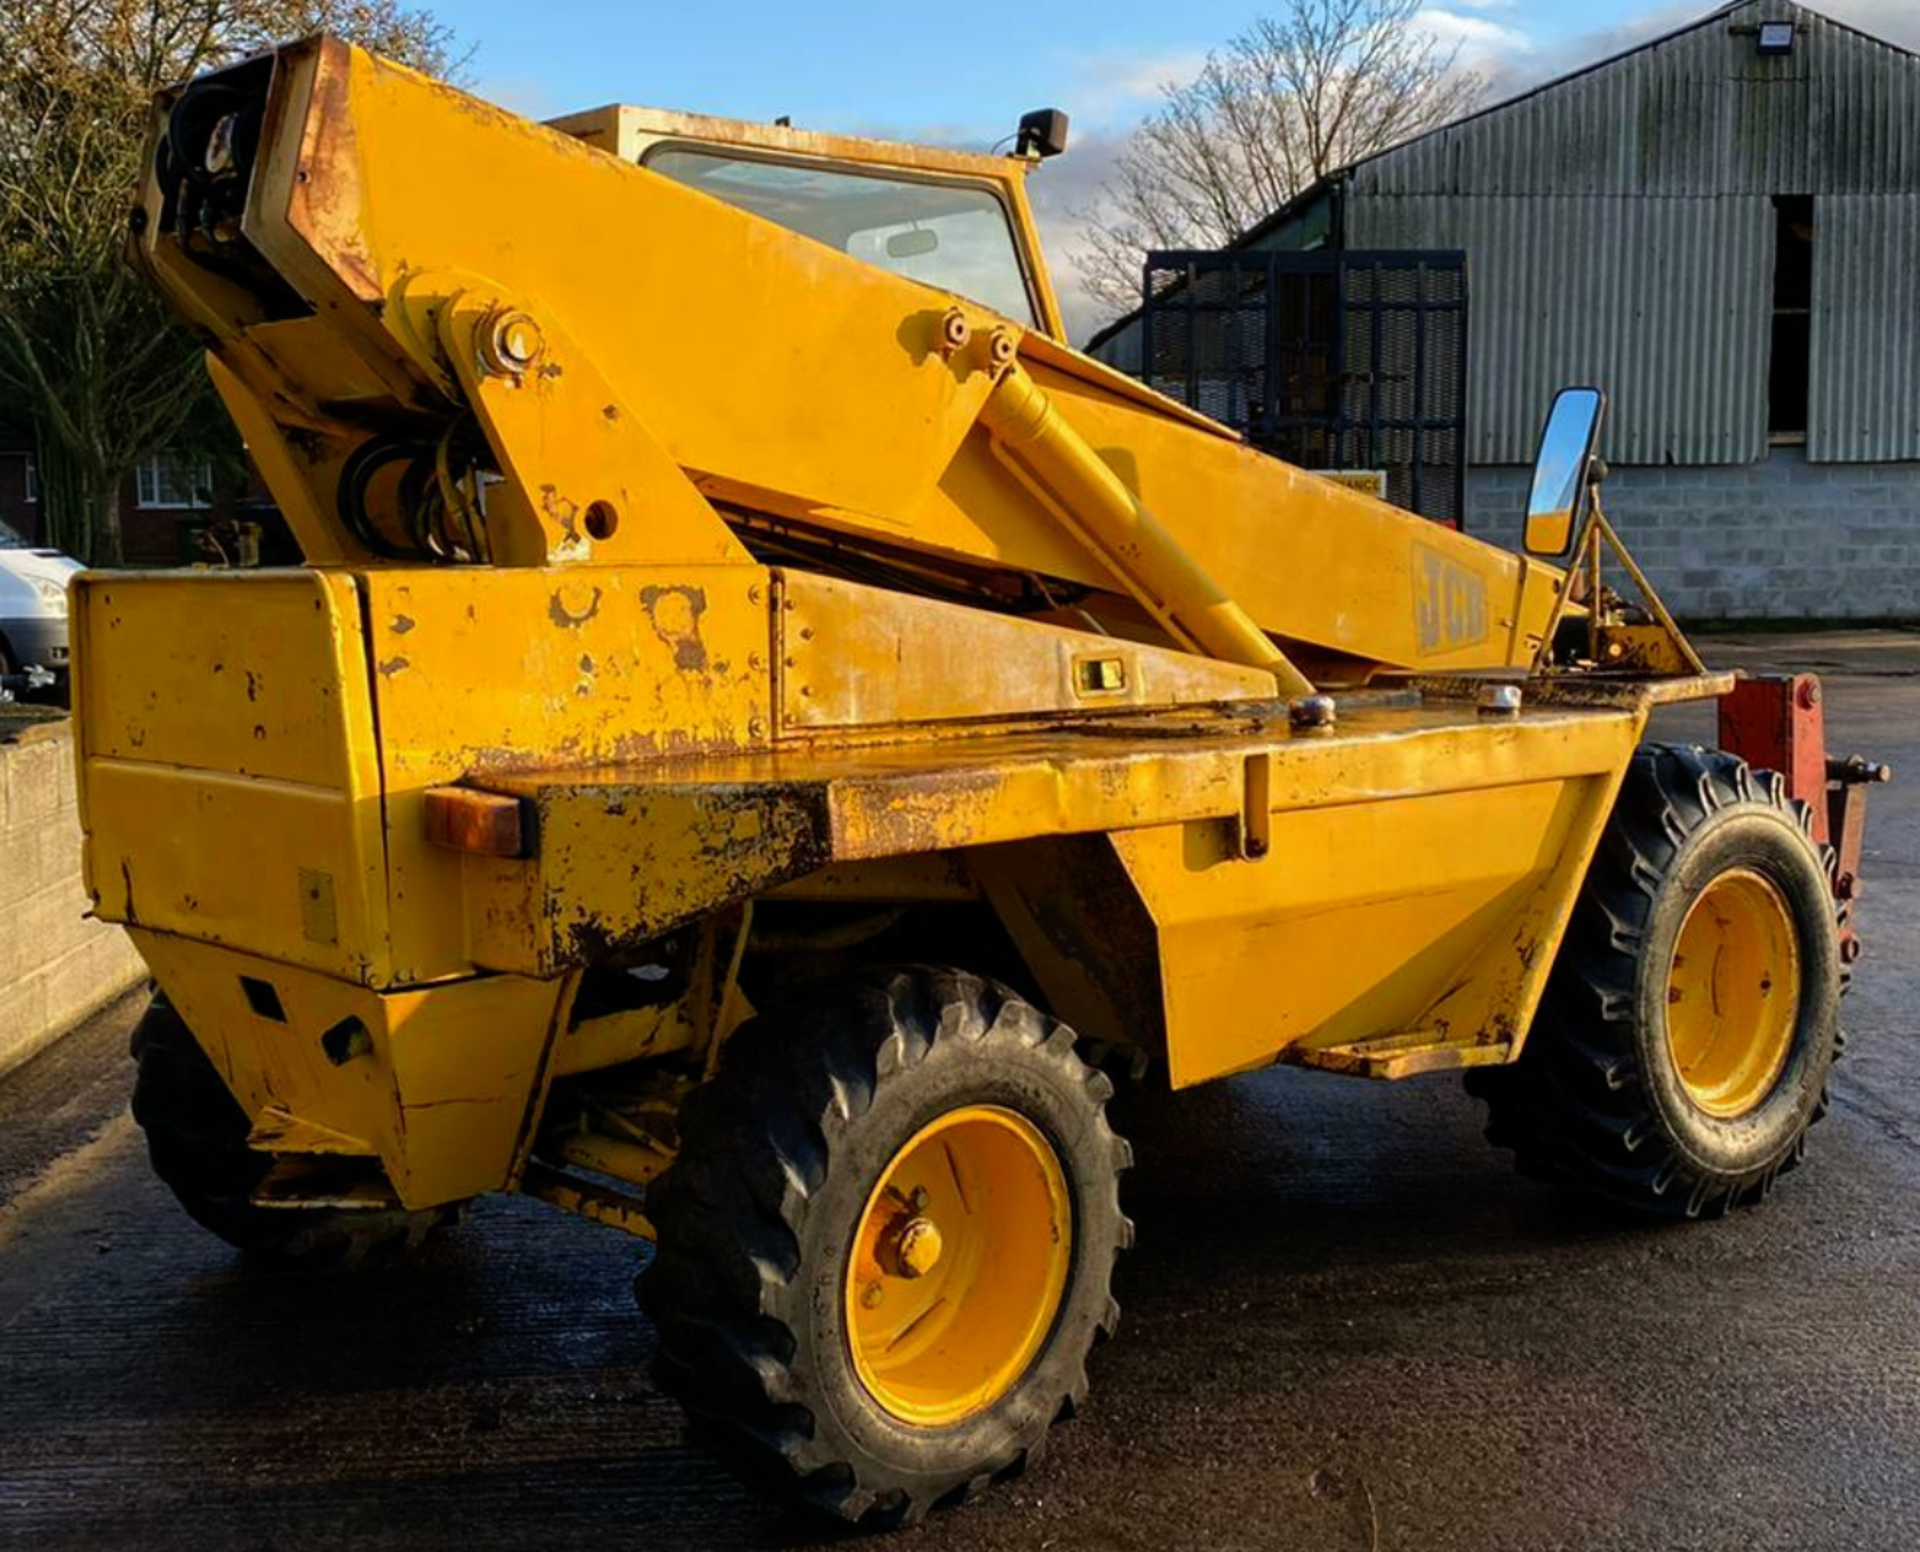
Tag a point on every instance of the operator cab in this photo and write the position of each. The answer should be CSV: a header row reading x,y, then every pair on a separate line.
x,y
955,220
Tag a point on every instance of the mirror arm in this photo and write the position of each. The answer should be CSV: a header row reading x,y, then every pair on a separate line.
x,y
1648,595
1587,556
1563,595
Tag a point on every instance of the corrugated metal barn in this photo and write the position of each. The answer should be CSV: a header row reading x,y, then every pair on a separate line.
x,y
1722,229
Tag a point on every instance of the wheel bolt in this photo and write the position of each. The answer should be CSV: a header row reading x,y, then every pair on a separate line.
x,y
917,1249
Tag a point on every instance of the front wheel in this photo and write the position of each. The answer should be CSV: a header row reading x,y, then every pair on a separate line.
x,y
887,1244
1682,1048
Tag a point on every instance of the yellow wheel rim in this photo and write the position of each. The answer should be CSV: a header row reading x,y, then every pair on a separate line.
x,y
1733,993
959,1264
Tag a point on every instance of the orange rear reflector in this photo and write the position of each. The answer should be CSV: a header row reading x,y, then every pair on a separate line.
x,y
485,823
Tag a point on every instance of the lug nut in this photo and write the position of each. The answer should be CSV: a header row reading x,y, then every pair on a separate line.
x,y
917,1248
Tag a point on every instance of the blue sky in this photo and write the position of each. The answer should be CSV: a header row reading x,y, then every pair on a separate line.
x,y
884,64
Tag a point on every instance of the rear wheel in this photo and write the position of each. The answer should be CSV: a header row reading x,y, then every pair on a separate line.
x,y
886,1246
1682,1048
197,1142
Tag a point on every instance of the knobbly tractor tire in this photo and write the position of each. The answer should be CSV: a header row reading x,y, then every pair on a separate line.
x,y
197,1142
1682,1048
886,1247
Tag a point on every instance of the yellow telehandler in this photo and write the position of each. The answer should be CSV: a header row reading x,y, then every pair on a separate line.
x,y
761,714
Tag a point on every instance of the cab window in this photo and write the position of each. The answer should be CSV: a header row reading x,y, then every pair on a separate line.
x,y
954,236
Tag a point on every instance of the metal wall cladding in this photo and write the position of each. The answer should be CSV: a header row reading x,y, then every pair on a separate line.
x,y
1699,113
1864,393
1664,303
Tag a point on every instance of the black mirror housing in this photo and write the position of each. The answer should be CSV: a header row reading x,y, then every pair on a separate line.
x,y
1043,133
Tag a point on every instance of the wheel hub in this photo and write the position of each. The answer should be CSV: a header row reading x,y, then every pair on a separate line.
x,y
1733,993
959,1266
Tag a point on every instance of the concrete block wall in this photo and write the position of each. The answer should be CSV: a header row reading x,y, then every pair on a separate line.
x,y
56,966
1783,539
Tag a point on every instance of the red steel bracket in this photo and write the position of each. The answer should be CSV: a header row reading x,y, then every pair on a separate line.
x,y
1776,723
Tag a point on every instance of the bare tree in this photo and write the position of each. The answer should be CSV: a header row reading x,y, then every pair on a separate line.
x,y
89,361
1297,95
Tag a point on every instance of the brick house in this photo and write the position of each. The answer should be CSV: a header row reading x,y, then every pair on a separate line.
x,y
162,504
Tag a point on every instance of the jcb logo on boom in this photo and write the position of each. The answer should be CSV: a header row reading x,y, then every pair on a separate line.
x,y
1450,603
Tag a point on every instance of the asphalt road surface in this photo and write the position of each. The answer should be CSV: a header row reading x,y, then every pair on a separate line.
x,y
1348,1325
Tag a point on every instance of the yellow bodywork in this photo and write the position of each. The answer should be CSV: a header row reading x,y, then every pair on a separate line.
x,y
771,586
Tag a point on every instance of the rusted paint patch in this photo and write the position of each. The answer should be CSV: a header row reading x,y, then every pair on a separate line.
x,y
401,624
573,605
394,665
674,613
564,512
688,854
325,207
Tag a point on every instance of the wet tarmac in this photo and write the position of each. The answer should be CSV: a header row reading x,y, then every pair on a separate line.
x,y
1347,1324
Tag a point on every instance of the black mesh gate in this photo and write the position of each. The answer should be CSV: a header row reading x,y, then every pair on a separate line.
x,y
1335,361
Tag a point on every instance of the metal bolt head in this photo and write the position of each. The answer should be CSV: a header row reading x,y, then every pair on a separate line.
x,y
872,1295
1500,700
1312,711
955,331
917,1251
510,342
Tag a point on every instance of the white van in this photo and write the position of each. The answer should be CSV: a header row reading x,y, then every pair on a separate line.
x,y
33,606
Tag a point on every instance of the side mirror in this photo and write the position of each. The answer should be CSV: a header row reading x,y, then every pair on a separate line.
x,y
1562,484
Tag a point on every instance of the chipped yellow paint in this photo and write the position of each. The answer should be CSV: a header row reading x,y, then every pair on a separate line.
x,y
229,717
1353,816
501,669
1357,925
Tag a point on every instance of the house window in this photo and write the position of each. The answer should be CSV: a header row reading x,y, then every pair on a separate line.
x,y
166,481
33,483
1789,367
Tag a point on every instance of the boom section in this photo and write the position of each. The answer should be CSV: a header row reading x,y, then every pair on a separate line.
x,y
452,336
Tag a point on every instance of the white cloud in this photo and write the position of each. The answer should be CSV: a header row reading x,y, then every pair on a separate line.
x,y
1105,89
1060,190
1478,39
